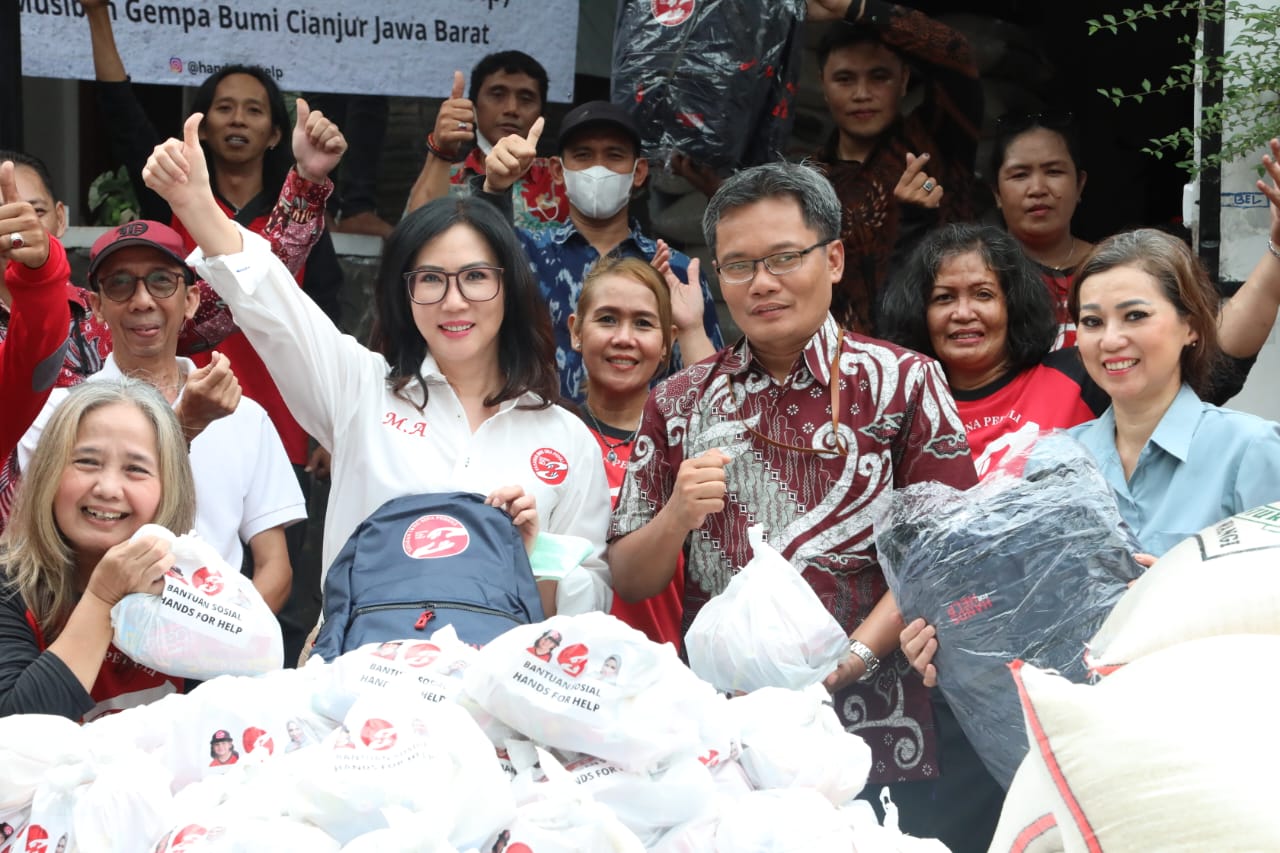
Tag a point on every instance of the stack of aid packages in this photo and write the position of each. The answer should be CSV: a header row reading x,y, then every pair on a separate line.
x,y
1175,745
573,734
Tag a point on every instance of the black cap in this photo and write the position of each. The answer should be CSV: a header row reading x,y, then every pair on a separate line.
x,y
598,113
220,734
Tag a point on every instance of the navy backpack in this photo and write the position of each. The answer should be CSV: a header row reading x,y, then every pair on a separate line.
x,y
421,562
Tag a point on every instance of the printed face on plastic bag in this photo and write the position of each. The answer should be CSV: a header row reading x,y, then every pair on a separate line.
x,y
593,685
767,629
208,621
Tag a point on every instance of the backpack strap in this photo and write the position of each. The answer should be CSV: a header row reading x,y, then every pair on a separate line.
x,y
35,629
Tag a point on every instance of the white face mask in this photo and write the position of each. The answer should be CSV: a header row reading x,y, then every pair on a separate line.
x,y
485,145
599,192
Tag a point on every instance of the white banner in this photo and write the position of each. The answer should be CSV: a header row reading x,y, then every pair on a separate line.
x,y
391,47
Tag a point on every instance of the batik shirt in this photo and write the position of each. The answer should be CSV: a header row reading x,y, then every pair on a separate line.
x,y
560,259
537,199
899,425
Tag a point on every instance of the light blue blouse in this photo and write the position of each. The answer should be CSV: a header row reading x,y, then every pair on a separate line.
x,y
1201,464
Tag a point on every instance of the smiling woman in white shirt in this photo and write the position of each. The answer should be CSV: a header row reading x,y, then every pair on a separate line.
x,y
455,392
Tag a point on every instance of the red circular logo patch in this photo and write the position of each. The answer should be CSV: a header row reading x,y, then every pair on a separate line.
x,y
672,13
435,536
207,580
573,659
378,734
549,465
421,654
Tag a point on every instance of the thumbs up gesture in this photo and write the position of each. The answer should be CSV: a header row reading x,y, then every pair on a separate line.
x,y
456,120
176,169
318,144
22,235
511,158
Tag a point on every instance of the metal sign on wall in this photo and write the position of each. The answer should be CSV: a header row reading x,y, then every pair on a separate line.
x,y
389,47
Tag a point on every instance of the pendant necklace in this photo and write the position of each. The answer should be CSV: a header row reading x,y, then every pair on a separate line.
x,y
612,455
1067,263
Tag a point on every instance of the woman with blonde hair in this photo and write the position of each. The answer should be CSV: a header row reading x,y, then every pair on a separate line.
x,y
112,459
625,324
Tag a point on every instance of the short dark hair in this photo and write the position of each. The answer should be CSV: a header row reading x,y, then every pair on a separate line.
x,y
509,62
1183,280
843,34
818,202
33,163
277,161
1005,136
904,303
526,344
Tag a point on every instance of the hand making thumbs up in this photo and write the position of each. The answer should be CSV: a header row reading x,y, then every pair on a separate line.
x,y
22,236
511,158
318,144
456,120
176,169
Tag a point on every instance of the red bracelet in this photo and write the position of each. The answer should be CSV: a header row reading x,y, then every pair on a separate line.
x,y
436,152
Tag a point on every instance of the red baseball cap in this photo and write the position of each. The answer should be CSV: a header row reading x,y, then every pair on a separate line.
x,y
221,734
140,232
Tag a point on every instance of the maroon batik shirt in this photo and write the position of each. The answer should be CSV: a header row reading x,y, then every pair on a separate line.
x,y
899,422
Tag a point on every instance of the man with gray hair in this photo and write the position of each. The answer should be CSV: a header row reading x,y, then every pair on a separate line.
x,y
803,427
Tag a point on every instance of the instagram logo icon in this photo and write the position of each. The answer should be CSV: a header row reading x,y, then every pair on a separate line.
x,y
175,64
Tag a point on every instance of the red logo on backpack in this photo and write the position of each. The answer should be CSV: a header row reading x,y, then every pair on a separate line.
x,y
549,465
433,536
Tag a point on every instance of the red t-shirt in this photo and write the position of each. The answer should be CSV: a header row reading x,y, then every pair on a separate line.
x,y
1007,415
1059,284
659,616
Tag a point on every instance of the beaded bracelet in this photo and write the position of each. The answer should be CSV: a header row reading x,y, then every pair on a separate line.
x,y
436,152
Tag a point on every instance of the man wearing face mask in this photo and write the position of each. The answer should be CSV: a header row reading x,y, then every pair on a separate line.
x,y
599,166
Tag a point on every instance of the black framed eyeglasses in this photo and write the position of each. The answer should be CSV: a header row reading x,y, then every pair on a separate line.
x,y
779,263
475,284
1052,119
120,286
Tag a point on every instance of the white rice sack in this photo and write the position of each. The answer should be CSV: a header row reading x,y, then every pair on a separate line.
x,y
793,739
787,820
31,744
1027,822
1223,580
766,629
1132,773
208,621
393,752
591,684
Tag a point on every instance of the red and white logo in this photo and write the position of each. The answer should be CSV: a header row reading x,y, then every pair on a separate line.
x,y
207,580
37,839
672,13
549,465
434,536
378,734
189,838
421,654
573,659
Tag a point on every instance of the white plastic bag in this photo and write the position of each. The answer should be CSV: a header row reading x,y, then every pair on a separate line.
x,y
208,621
31,744
767,629
783,821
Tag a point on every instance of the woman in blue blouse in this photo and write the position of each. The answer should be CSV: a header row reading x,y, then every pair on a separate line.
x,y
1147,330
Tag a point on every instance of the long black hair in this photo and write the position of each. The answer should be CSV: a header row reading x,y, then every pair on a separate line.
x,y
904,304
277,161
526,344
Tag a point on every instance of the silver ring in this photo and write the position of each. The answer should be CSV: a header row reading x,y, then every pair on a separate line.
x,y
928,185
462,125
16,241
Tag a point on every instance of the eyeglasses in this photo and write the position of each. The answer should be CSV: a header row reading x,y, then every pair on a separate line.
x,y
779,263
475,284
120,286
1018,122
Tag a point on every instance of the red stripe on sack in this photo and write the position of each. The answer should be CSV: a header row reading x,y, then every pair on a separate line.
x,y
1032,831
1051,763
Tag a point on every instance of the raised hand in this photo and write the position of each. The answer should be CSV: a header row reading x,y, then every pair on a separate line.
x,y
135,565
177,170
699,489
915,186
211,392
1271,163
456,120
23,239
318,144
511,158
686,296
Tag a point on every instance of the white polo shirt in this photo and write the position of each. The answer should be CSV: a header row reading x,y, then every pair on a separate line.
x,y
383,447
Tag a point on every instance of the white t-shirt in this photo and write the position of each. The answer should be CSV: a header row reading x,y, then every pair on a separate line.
x,y
383,447
244,482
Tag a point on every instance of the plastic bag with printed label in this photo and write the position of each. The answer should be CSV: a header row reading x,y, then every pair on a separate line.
x,y
1014,568
766,629
713,79
592,684
30,745
52,821
208,621
793,739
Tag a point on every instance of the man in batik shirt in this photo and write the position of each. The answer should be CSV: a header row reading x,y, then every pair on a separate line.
x,y
803,427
